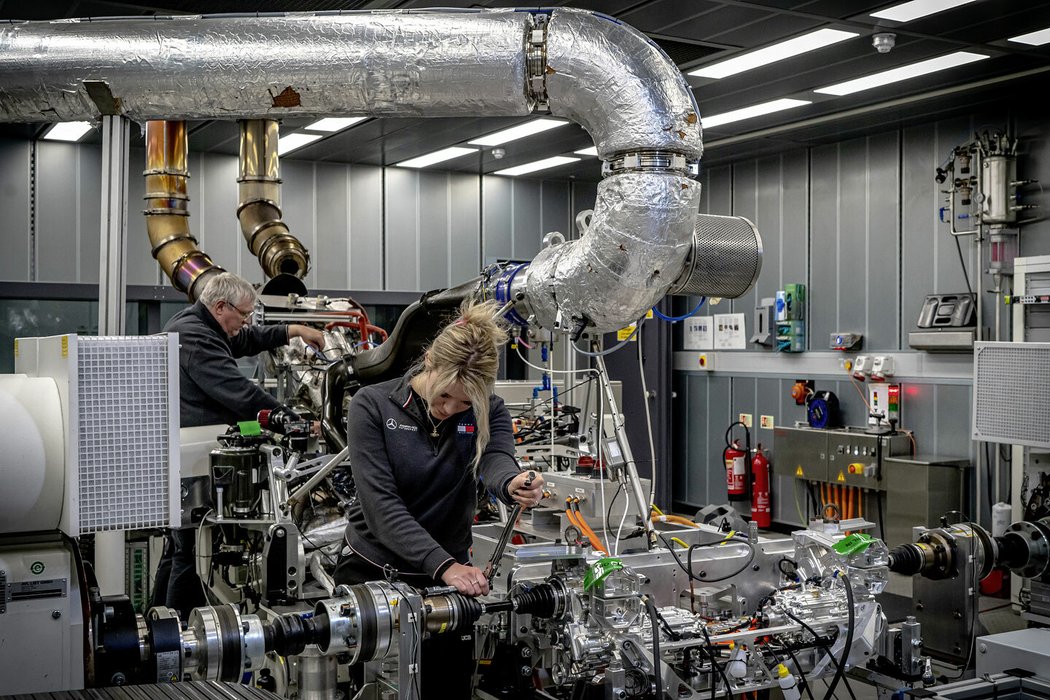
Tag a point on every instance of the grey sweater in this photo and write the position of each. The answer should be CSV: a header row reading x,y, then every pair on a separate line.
x,y
213,390
416,495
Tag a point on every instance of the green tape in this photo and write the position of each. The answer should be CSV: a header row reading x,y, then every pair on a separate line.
x,y
851,544
249,427
599,570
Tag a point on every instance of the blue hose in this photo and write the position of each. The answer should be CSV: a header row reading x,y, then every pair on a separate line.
x,y
676,319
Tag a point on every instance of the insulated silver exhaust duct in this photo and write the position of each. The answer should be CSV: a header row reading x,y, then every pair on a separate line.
x,y
725,258
586,67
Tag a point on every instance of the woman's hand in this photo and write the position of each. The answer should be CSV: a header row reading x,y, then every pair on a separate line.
x,y
529,494
468,580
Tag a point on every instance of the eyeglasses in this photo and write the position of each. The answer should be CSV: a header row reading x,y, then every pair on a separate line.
x,y
245,315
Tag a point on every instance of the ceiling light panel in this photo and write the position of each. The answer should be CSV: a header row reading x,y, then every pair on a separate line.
x,y
592,151
1033,38
907,11
436,157
333,124
771,54
537,165
291,142
895,75
750,112
520,131
68,131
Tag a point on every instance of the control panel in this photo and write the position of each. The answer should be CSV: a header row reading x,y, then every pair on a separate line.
x,y
850,456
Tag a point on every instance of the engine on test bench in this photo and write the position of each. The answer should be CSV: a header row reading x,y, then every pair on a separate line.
x,y
611,627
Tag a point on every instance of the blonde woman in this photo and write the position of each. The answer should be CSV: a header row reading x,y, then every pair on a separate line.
x,y
418,446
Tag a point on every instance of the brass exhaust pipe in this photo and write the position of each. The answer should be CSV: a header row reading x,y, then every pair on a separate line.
x,y
167,216
259,211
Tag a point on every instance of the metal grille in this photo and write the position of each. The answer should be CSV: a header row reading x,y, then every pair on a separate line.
x,y
123,412
725,260
1011,386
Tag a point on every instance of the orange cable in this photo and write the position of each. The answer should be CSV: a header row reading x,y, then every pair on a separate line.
x,y
585,527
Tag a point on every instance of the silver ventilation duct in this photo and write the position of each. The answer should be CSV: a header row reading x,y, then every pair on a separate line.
x,y
586,67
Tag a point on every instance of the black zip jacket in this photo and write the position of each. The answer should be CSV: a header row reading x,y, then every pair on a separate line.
x,y
416,494
212,388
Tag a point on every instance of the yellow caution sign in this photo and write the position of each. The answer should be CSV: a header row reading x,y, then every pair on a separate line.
x,y
625,333
798,471
842,476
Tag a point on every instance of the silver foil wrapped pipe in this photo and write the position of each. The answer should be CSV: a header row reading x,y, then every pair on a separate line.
x,y
620,86
366,64
639,236
590,68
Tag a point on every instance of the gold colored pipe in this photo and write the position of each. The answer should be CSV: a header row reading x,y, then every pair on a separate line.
x,y
167,217
259,211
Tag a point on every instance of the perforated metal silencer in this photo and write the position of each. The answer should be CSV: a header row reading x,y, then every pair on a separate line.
x,y
725,259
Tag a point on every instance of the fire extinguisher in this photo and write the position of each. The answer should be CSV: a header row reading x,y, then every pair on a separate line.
x,y
736,460
761,512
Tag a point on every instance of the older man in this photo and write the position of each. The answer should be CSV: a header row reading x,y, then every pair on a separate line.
x,y
212,333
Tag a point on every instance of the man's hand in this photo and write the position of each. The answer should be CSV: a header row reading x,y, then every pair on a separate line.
x,y
468,580
311,336
527,495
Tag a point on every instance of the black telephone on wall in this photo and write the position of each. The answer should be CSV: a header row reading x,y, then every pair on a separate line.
x,y
948,311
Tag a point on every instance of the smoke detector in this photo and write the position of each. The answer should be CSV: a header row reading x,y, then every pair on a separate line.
x,y
883,41
498,153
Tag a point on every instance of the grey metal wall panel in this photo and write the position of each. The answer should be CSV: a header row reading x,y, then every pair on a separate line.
x,y
497,195
1034,164
464,227
584,194
217,228
717,197
919,227
824,244
768,219
328,253
689,409
434,225
853,260
141,267
883,243
527,231
299,202
14,209
555,208
794,242
366,227
719,413
89,211
745,203
401,206
56,212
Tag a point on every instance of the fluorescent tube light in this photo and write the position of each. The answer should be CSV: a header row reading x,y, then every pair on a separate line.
x,y
332,124
771,54
752,111
592,151
67,131
907,11
914,70
1033,38
537,165
291,142
520,131
436,157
